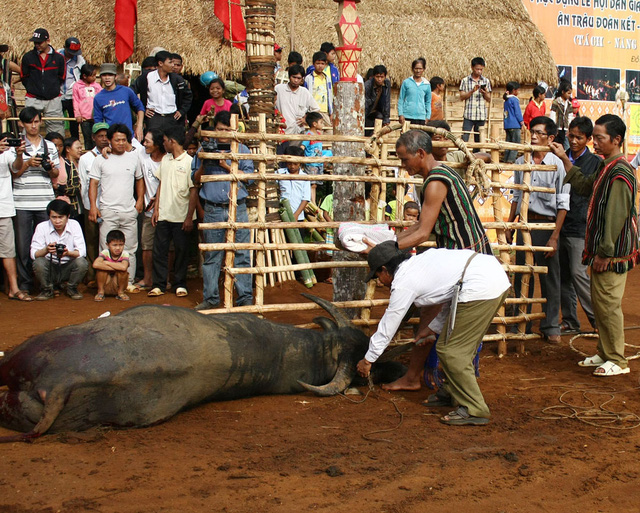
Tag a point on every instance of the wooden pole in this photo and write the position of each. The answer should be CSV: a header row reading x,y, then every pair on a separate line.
x,y
262,210
231,232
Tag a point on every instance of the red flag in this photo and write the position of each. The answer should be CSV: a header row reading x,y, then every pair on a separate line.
x,y
126,18
236,25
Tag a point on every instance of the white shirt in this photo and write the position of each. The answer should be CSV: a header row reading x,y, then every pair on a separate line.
x,y
71,237
117,176
84,166
161,97
7,209
430,279
151,181
293,105
542,203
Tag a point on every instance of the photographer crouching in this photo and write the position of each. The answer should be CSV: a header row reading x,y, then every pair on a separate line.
x,y
58,252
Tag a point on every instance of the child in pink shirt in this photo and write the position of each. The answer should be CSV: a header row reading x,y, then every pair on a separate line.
x,y
217,101
83,93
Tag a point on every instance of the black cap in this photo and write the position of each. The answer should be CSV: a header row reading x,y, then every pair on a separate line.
x,y
72,46
381,255
39,35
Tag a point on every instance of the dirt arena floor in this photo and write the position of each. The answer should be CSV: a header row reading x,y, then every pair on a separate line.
x,y
302,453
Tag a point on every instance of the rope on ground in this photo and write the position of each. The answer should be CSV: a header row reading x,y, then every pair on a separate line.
x,y
595,335
367,436
597,415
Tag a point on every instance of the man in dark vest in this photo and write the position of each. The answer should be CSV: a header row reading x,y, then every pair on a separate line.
x,y
611,241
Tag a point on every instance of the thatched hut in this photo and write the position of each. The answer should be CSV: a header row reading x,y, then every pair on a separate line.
x,y
448,34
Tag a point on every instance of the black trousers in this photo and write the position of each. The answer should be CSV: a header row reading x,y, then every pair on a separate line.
x,y
162,122
165,233
67,106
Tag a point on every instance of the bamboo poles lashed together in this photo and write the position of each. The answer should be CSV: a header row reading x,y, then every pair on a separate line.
x,y
273,255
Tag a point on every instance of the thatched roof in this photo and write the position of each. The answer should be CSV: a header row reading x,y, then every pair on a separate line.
x,y
447,33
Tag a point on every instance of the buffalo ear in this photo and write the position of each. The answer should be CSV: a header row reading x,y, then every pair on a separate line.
x,y
326,323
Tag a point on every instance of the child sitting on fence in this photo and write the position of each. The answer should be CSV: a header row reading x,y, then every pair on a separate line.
x,y
298,192
112,264
313,149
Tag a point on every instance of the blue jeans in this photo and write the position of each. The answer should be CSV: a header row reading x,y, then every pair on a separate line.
x,y
213,259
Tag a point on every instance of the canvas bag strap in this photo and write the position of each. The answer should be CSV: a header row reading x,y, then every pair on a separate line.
x,y
454,300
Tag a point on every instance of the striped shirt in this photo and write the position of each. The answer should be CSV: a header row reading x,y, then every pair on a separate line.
x,y
105,254
475,107
458,225
33,190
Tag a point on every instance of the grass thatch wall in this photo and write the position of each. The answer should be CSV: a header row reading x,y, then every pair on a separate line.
x,y
447,33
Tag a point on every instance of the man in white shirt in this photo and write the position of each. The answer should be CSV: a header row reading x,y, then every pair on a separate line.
x,y
470,286
59,252
32,167
91,235
117,177
7,211
543,208
294,101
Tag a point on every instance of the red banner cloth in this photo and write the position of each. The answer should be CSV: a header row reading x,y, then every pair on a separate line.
x,y
233,23
125,22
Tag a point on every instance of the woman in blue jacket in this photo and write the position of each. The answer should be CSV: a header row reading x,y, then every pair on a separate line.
x,y
513,121
414,104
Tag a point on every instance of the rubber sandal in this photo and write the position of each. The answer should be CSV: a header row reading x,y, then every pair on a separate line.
x,y
609,368
155,292
122,297
99,298
141,287
592,361
436,400
181,292
21,296
461,417
132,289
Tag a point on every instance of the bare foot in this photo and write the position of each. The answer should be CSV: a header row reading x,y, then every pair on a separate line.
x,y
404,383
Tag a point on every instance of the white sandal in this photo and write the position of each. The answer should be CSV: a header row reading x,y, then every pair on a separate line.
x,y
592,361
610,369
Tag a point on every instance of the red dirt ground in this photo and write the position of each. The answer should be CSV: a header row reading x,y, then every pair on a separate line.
x,y
302,453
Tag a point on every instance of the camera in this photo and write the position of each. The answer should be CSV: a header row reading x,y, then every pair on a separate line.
x,y
60,250
46,162
212,146
14,142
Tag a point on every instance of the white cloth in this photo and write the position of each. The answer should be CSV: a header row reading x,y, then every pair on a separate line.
x,y
161,97
71,237
430,279
117,176
149,168
544,203
7,209
351,235
636,161
84,166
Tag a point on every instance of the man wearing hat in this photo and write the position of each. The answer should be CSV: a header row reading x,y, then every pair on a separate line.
x,y
91,235
113,105
43,74
74,60
469,287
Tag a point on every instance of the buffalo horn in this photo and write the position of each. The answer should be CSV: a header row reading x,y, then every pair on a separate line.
x,y
340,318
340,381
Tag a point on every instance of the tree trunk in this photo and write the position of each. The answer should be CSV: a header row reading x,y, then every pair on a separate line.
x,y
348,198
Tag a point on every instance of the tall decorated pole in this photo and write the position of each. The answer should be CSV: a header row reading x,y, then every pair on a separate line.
x,y
348,119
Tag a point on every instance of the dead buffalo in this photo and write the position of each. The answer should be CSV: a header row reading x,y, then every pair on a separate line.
x,y
146,364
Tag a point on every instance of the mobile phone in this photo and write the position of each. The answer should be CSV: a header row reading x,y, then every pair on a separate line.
x,y
483,87
14,142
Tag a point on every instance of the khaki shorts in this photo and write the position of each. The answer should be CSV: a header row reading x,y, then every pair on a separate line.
x,y
148,231
7,238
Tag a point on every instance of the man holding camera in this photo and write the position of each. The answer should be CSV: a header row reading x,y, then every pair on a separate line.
x,y
58,251
215,199
33,164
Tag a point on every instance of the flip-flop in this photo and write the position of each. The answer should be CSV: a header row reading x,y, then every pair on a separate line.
x,y
181,292
609,368
141,287
99,298
461,417
155,292
21,296
592,361
122,297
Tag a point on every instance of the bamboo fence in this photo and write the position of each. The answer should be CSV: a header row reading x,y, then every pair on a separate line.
x,y
270,247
